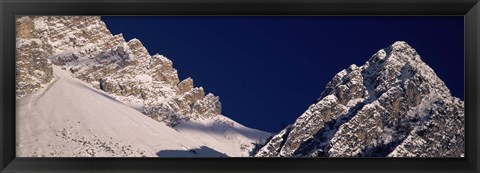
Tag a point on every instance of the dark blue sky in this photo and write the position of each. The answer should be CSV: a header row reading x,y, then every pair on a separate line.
x,y
267,70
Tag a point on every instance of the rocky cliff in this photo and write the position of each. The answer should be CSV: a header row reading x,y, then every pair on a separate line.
x,y
123,69
394,105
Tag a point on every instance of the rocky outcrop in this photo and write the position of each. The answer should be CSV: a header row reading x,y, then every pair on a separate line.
x,y
185,85
124,70
33,69
208,106
394,105
274,145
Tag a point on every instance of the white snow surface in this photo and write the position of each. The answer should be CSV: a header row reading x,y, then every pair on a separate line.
x,y
69,118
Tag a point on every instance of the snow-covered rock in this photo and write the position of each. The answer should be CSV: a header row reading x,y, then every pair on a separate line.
x,y
123,70
69,118
394,105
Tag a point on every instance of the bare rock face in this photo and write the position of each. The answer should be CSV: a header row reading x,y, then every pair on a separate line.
x,y
33,69
394,105
183,104
125,70
208,106
185,85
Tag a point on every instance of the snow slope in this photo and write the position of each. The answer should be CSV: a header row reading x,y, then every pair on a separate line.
x,y
69,118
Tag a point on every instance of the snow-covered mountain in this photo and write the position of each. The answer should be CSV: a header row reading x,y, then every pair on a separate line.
x,y
82,91
394,105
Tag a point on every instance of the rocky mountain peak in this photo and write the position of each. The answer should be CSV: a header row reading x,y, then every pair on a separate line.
x,y
373,109
402,50
399,46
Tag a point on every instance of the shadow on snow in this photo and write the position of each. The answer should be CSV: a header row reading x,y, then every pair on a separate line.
x,y
203,151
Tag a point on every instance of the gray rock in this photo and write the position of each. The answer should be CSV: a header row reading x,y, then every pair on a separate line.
x,y
84,46
394,105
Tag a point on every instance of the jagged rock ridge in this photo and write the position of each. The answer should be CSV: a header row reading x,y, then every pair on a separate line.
x,y
125,70
394,105
72,69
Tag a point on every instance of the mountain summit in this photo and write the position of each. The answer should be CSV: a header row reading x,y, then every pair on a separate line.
x,y
394,105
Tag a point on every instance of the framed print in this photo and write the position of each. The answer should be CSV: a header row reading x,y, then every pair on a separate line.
x,y
263,86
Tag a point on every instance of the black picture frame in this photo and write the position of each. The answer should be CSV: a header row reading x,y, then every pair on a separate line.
x,y
470,9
